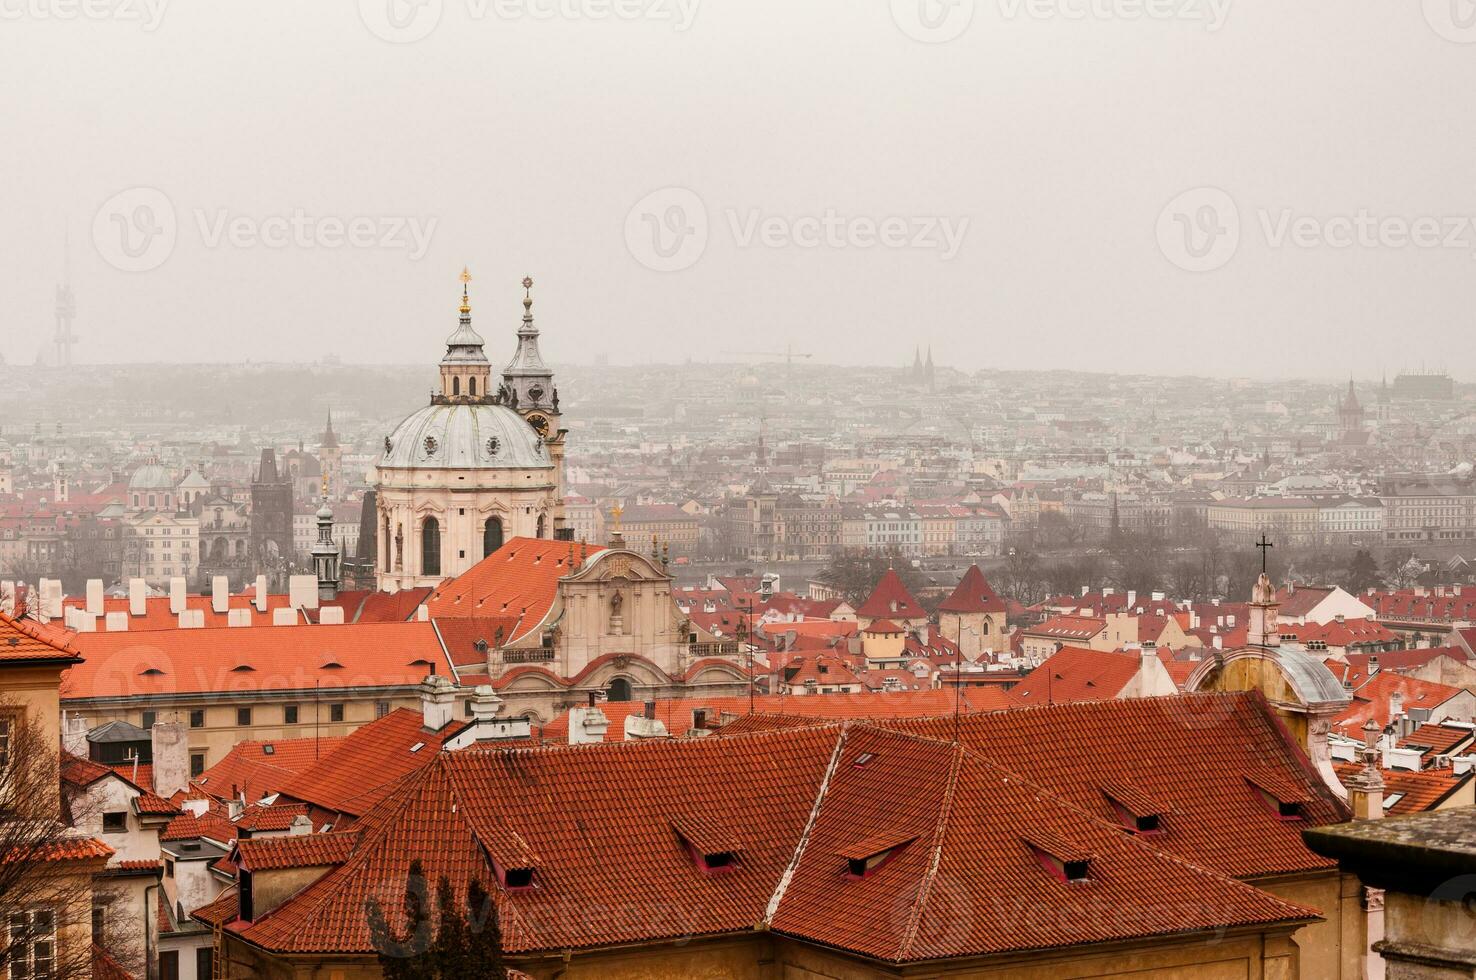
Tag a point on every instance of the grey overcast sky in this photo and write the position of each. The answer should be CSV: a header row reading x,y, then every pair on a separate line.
x,y
1057,182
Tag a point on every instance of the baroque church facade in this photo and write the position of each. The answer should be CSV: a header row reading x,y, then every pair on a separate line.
x,y
479,465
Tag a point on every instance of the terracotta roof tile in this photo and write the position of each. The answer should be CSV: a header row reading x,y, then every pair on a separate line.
x,y
519,580
891,600
973,594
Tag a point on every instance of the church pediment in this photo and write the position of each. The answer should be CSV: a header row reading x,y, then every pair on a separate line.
x,y
618,567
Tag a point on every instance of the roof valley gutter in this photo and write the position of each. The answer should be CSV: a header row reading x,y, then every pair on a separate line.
x,y
799,851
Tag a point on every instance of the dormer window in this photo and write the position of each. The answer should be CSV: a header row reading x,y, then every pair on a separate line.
x,y
866,857
1136,811
516,879
711,847
1279,795
1060,858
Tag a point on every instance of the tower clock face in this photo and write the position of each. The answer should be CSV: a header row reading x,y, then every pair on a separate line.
x,y
539,423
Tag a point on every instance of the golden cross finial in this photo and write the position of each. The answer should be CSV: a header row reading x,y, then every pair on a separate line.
x,y
465,299
615,512
325,486
527,284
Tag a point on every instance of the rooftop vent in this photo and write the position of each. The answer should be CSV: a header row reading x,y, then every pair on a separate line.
x,y
1062,859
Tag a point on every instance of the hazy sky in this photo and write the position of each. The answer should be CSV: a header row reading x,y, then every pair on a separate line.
x,y
1002,179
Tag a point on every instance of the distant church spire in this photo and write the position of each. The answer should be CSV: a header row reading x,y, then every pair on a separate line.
x,y
527,380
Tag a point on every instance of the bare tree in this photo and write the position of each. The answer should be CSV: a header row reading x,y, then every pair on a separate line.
x,y
45,883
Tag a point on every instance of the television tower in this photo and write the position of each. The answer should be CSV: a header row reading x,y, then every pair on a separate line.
x,y
66,309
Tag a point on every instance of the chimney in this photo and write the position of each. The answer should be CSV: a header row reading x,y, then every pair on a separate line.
x,y
220,594
260,598
437,700
171,757
1396,706
649,711
1132,598
177,594
94,597
588,724
138,597
74,734
1366,788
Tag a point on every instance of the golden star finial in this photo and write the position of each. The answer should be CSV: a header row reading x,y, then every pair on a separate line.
x,y
465,274
465,299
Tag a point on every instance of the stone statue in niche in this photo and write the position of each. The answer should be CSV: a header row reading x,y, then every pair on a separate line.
x,y
617,621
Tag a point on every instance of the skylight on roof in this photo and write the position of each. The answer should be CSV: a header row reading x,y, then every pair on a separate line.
x,y
1392,799
417,746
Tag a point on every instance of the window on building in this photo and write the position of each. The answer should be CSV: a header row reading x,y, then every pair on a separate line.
x,y
430,547
115,822
197,718
243,716
7,725
381,708
197,764
335,712
169,964
289,714
33,945
99,924
471,387
204,962
491,536
146,721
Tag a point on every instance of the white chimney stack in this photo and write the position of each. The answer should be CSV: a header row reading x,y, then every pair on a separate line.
x,y
177,594
138,597
95,596
587,724
437,701
220,594
261,594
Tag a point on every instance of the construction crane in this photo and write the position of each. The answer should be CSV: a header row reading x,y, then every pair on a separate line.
x,y
788,353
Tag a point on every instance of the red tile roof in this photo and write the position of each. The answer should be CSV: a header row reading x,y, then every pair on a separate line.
x,y
677,714
891,600
973,594
1068,627
1192,750
966,829
1372,700
210,824
1076,674
294,851
1418,791
279,816
26,641
519,580
605,828
261,768
104,967
365,766
1433,740
252,658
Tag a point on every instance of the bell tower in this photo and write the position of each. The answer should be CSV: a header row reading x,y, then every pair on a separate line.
x,y
528,388
466,376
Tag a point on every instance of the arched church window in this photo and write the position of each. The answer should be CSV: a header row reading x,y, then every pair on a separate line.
x,y
430,547
619,690
456,386
986,627
491,536
471,387
540,525
399,546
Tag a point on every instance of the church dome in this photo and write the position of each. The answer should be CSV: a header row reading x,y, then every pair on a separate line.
x,y
464,436
150,476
